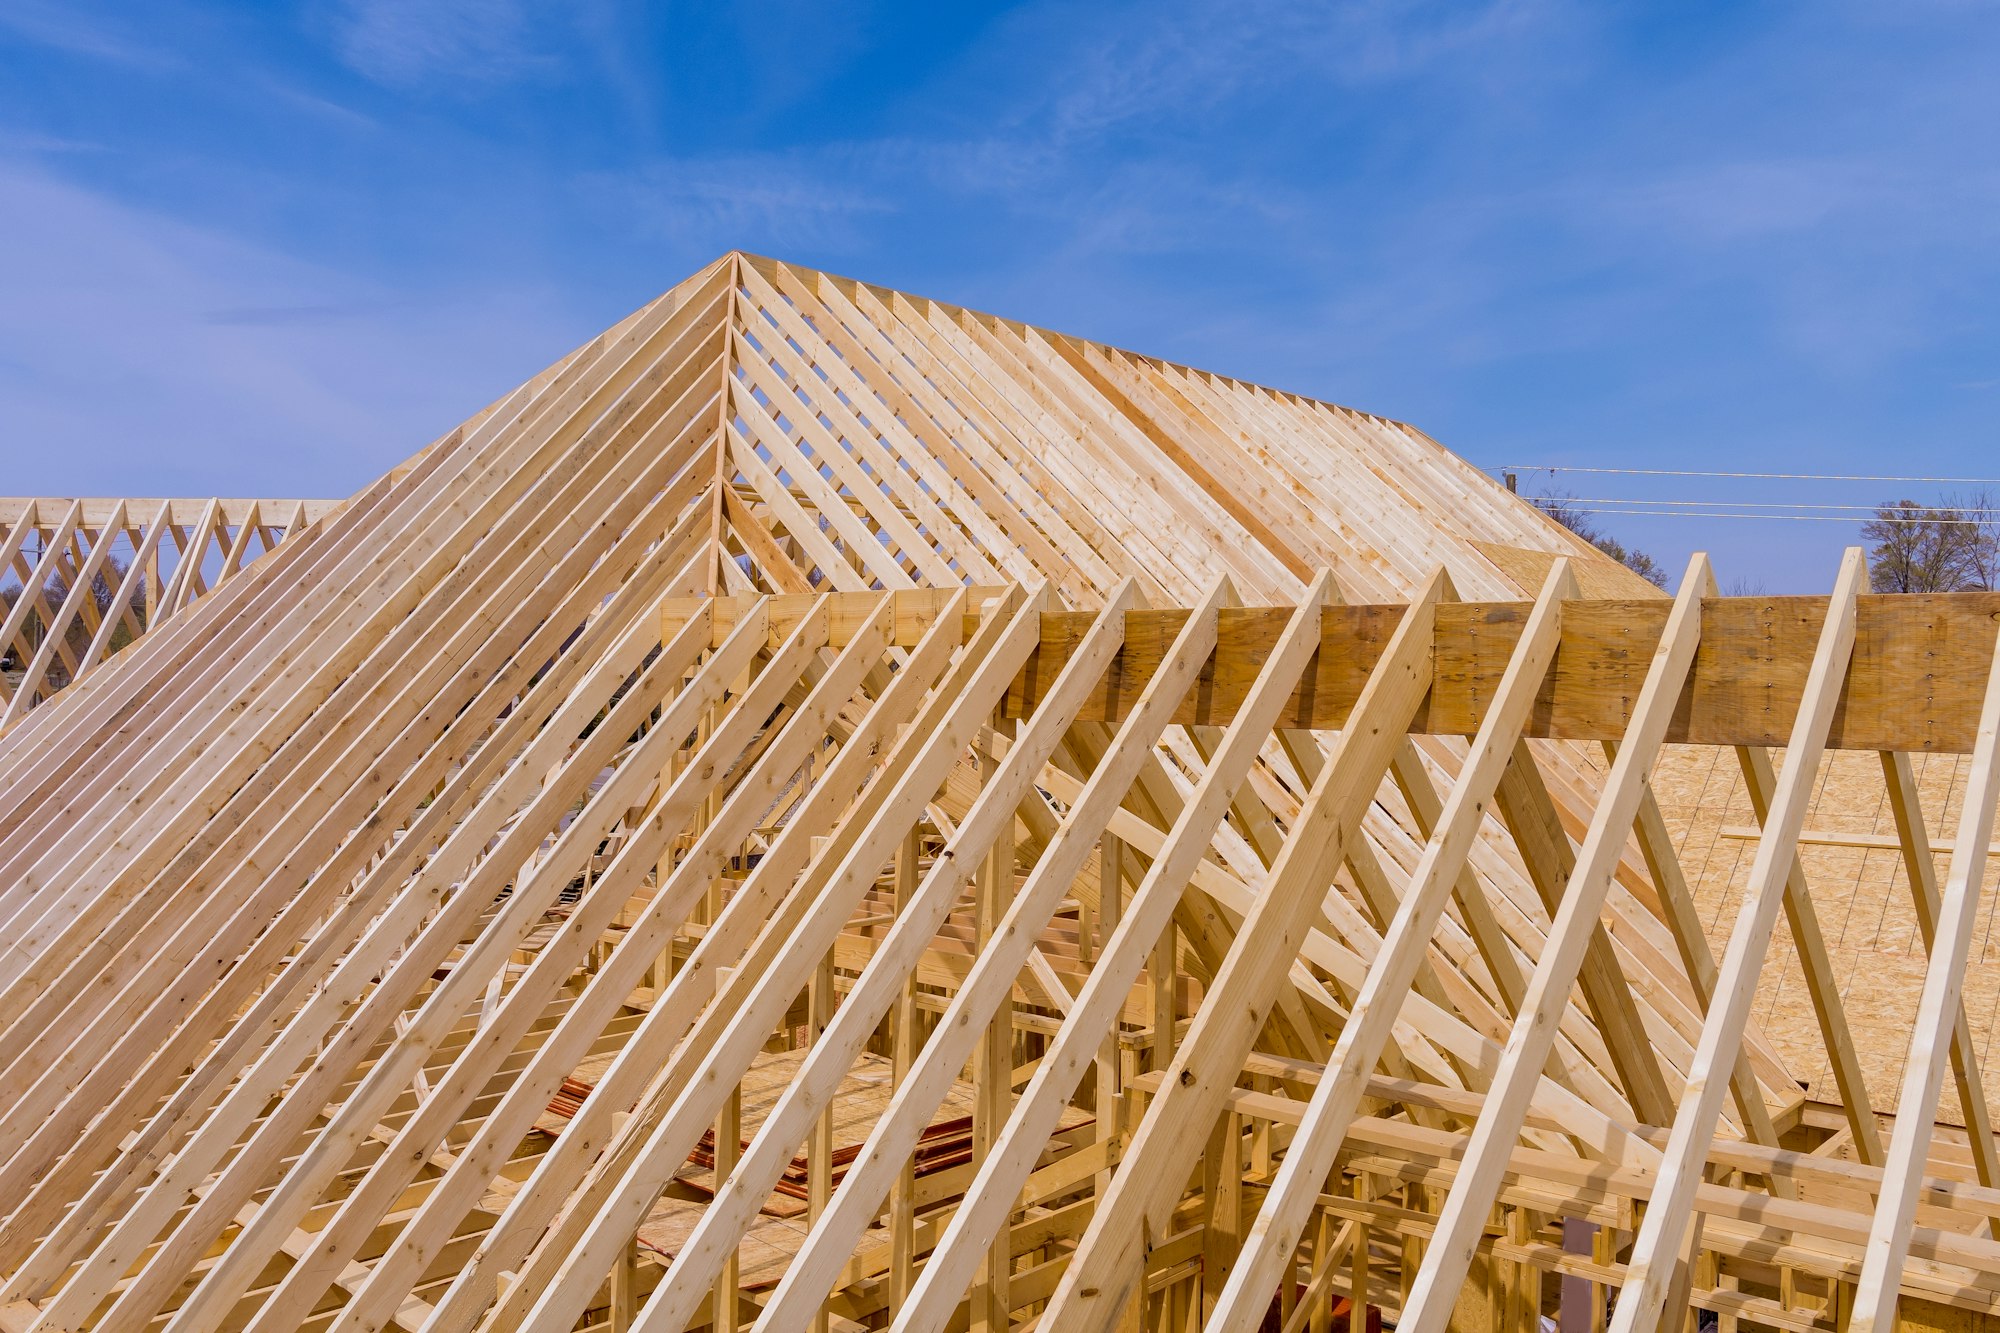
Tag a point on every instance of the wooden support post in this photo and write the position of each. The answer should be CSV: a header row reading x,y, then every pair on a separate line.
x,y
1110,1058
1326,1257
728,1146
1162,975
625,1288
902,1197
993,1069
1222,1188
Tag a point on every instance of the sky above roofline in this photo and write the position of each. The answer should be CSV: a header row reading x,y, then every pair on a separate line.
x,y
274,249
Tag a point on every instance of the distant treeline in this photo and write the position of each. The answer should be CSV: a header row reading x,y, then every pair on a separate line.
x,y
1952,545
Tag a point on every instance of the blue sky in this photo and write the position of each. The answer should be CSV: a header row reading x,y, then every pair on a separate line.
x,y
274,248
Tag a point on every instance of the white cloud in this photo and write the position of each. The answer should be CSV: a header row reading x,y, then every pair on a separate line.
x,y
74,29
778,201
141,355
411,43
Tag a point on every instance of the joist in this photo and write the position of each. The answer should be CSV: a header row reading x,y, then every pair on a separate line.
x,y
1197,852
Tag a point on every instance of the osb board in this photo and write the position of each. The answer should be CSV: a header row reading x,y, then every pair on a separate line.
x,y
860,1101
1862,898
1528,569
763,1255
1914,682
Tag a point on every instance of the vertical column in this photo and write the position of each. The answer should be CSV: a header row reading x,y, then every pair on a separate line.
x,y
1110,1065
1162,973
728,1143
625,1288
819,1153
994,1067
902,1196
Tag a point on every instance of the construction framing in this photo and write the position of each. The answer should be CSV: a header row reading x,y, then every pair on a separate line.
x,y
828,809
89,576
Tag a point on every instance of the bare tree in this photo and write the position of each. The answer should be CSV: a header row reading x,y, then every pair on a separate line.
x,y
1921,548
1564,509
1980,512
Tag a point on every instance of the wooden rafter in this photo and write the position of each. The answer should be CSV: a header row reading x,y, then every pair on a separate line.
x,y
830,809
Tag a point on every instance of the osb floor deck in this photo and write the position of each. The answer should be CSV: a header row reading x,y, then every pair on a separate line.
x,y
1863,898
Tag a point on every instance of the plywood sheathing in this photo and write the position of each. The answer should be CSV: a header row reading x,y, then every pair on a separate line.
x,y
1864,898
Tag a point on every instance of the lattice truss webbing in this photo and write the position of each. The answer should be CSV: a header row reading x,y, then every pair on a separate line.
x,y
80,579
334,904
671,849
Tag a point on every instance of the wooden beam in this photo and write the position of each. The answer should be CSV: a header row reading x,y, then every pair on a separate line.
x,y
667,1132
1281,1221
1657,1250
781,887
1911,685
1576,926
1233,1014
1939,1021
979,997
990,822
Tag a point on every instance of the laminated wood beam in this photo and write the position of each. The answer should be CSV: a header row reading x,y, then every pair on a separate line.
x,y
1912,684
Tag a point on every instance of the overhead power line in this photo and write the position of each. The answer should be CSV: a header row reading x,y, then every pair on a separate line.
x,y
1793,518
1753,476
1577,501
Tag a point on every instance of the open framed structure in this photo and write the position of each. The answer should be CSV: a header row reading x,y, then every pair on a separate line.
x,y
825,808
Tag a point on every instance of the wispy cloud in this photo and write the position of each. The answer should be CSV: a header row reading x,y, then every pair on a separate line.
x,y
142,355
81,30
441,43
280,316
1191,56
751,200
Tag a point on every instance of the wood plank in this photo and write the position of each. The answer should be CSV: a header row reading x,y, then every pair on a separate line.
x,y
1657,1252
1912,685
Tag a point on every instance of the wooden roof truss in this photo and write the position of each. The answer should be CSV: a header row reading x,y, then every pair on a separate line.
x,y
89,576
1188,847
